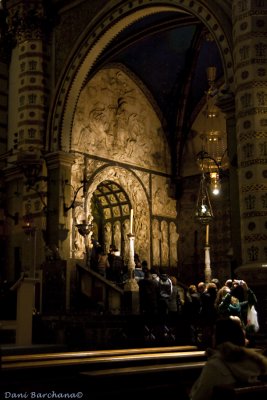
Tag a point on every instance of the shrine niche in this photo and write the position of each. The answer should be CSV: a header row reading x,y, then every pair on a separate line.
x,y
115,219
120,145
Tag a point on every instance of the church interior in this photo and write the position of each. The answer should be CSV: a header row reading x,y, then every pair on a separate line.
x,y
137,125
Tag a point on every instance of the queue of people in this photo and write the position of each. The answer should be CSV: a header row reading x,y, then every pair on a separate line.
x,y
205,303
159,295
217,317
225,333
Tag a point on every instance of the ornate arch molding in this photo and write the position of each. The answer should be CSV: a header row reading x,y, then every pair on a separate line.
x,y
138,196
97,37
121,176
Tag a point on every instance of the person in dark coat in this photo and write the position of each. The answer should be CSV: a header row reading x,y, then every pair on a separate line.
x,y
148,295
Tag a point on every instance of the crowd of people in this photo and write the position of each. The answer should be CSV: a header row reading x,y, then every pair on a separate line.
x,y
200,304
215,313
219,322
206,303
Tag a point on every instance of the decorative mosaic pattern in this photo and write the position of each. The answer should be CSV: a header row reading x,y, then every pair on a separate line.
x,y
250,54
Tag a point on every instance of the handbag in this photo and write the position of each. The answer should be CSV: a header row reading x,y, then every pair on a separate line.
x,y
252,319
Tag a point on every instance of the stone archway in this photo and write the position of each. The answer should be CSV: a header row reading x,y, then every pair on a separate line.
x,y
97,38
138,198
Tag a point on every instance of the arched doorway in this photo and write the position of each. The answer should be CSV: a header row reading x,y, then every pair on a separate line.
x,y
111,212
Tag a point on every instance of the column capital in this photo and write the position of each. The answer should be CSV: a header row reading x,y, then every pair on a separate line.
x,y
253,274
27,20
53,160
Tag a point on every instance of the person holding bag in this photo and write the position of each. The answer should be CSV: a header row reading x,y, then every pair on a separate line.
x,y
246,297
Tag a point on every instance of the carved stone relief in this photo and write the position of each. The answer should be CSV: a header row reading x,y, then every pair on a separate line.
x,y
139,202
156,242
162,204
108,236
174,236
164,244
117,235
116,121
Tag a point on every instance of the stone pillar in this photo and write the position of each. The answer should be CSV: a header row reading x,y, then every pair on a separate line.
x,y
29,68
226,102
59,194
59,222
28,41
25,306
250,52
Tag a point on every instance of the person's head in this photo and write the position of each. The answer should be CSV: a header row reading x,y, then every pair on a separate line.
x,y
229,330
147,274
162,271
144,265
201,287
217,283
192,289
211,287
238,290
221,294
229,283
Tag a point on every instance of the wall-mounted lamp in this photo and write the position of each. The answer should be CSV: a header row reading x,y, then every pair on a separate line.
x,y
72,204
28,226
30,165
84,228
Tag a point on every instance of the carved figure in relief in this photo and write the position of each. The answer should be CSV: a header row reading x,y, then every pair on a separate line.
x,y
141,230
156,237
77,172
117,235
164,244
108,236
174,236
126,241
163,204
114,119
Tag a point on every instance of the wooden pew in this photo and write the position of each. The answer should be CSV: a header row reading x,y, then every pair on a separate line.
x,y
99,372
99,357
253,391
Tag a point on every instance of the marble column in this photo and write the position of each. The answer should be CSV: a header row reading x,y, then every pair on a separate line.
x,y
29,59
29,71
226,102
250,52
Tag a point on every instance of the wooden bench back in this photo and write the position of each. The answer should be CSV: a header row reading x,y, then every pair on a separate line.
x,y
255,391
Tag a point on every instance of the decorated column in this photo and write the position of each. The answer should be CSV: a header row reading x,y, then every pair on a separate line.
x,y
250,52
